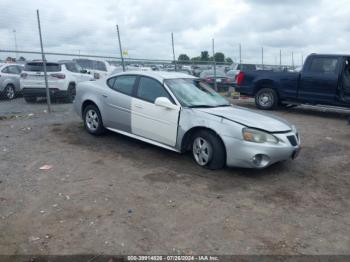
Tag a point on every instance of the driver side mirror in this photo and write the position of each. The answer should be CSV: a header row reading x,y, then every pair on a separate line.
x,y
165,102
83,71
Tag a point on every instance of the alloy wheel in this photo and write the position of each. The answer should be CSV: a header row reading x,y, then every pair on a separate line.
x,y
92,120
202,151
10,92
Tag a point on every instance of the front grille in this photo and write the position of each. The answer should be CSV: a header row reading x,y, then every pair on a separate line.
x,y
293,141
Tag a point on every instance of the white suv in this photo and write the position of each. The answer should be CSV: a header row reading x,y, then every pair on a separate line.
x,y
62,79
97,68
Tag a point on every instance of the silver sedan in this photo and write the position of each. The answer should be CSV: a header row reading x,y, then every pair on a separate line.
x,y
9,80
181,113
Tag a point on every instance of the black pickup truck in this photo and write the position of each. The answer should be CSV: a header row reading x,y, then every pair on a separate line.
x,y
323,80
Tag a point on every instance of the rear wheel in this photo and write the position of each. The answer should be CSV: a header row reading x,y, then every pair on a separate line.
x,y
93,120
10,92
208,150
30,99
266,99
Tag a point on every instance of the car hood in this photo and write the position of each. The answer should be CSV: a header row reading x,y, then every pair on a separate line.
x,y
249,118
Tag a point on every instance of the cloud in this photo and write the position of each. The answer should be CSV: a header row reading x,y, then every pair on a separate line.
x,y
88,26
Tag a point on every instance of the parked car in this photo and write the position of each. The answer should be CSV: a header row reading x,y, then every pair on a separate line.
x,y
62,79
182,113
223,83
323,80
9,80
97,68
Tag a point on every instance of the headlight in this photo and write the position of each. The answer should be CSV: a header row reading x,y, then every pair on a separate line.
x,y
257,136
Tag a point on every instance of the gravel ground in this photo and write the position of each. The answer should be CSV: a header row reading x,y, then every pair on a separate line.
x,y
115,195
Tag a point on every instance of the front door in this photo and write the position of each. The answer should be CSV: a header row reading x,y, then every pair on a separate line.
x,y
117,99
149,120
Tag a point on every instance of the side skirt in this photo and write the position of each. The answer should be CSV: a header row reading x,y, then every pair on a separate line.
x,y
143,139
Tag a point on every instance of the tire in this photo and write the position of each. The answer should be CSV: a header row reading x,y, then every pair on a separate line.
x,y
10,92
30,99
266,99
71,93
93,120
208,150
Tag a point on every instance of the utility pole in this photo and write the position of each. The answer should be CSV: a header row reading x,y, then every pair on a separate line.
x,y
172,43
292,60
120,49
16,47
280,59
262,58
215,84
48,99
240,53
302,60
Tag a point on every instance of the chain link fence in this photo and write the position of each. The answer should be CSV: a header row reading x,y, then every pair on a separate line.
x,y
23,70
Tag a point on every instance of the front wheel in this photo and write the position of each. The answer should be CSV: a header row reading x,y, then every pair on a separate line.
x,y
10,92
266,99
208,150
93,120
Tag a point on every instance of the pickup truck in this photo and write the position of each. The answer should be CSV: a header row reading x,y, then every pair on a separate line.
x,y
323,80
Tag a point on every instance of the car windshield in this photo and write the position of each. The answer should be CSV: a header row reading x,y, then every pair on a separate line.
x,y
195,93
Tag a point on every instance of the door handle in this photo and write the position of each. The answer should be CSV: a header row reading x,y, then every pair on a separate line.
x,y
138,106
105,96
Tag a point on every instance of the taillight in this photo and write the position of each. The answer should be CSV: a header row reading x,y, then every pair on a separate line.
x,y
240,78
24,75
59,76
209,80
228,81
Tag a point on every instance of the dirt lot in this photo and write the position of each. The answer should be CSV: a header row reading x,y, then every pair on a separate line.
x,y
115,195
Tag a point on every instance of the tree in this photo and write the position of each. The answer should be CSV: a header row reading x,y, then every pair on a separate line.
x,y
204,56
219,57
196,59
183,58
10,59
229,60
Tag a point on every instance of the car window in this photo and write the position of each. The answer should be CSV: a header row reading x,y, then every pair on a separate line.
x,y
72,67
100,66
5,70
110,82
39,67
11,70
123,84
20,68
150,89
323,65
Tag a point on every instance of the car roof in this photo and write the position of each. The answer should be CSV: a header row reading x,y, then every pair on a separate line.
x,y
10,64
159,75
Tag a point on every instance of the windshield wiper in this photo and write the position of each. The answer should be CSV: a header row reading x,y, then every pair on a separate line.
x,y
198,106
223,105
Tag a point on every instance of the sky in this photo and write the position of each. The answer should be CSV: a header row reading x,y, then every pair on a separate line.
x,y
89,27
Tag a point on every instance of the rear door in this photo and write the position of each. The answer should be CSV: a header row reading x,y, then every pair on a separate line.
x,y
319,80
149,120
117,99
